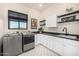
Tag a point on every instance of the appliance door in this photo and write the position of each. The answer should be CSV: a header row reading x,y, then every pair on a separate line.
x,y
28,39
8,46
12,45
28,42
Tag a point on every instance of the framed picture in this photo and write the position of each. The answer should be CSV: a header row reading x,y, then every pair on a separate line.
x,y
33,23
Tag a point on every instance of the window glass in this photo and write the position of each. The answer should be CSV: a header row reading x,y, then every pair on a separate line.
x,y
23,24
13,24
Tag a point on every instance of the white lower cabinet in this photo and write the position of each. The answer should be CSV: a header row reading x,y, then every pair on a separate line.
x,y
71,48
62,46
51,42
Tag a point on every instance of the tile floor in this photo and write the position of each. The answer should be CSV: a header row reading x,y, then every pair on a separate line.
x,y
39,50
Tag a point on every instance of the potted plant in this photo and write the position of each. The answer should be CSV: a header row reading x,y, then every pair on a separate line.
x,y
40,30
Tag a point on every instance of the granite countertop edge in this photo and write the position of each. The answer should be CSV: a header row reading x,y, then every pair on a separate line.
x,y
55,35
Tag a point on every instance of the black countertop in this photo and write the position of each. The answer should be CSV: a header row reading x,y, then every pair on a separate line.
x,y
76,39
58,35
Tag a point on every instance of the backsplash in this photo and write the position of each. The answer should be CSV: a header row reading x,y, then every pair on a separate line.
x,y
72,28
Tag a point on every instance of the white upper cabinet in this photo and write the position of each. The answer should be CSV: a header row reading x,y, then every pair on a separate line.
x,y
51,21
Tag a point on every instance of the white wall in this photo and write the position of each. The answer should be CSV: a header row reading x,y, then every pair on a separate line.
x,y
56,8
32,13
59,9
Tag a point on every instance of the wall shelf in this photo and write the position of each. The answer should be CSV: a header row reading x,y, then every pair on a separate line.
x,y
42,23
68,21
68,14
70,17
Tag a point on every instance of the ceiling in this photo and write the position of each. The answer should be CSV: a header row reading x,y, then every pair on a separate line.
x,y
37,6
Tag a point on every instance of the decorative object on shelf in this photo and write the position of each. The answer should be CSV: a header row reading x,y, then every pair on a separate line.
x,y
33,23
69,17
40,30
69,9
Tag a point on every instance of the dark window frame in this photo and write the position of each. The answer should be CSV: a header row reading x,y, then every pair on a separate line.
x,y
19,19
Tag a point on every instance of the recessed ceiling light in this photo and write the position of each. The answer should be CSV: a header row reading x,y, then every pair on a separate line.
x,y
40,5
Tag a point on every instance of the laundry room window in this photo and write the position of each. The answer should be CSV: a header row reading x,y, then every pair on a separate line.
x,y
17,20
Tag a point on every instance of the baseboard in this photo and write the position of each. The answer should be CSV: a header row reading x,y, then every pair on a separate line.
x,y
38,44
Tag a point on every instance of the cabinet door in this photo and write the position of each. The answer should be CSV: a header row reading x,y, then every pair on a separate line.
x,y
43,39
47,41
37,39
59,45
51,21
71,48
50,42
